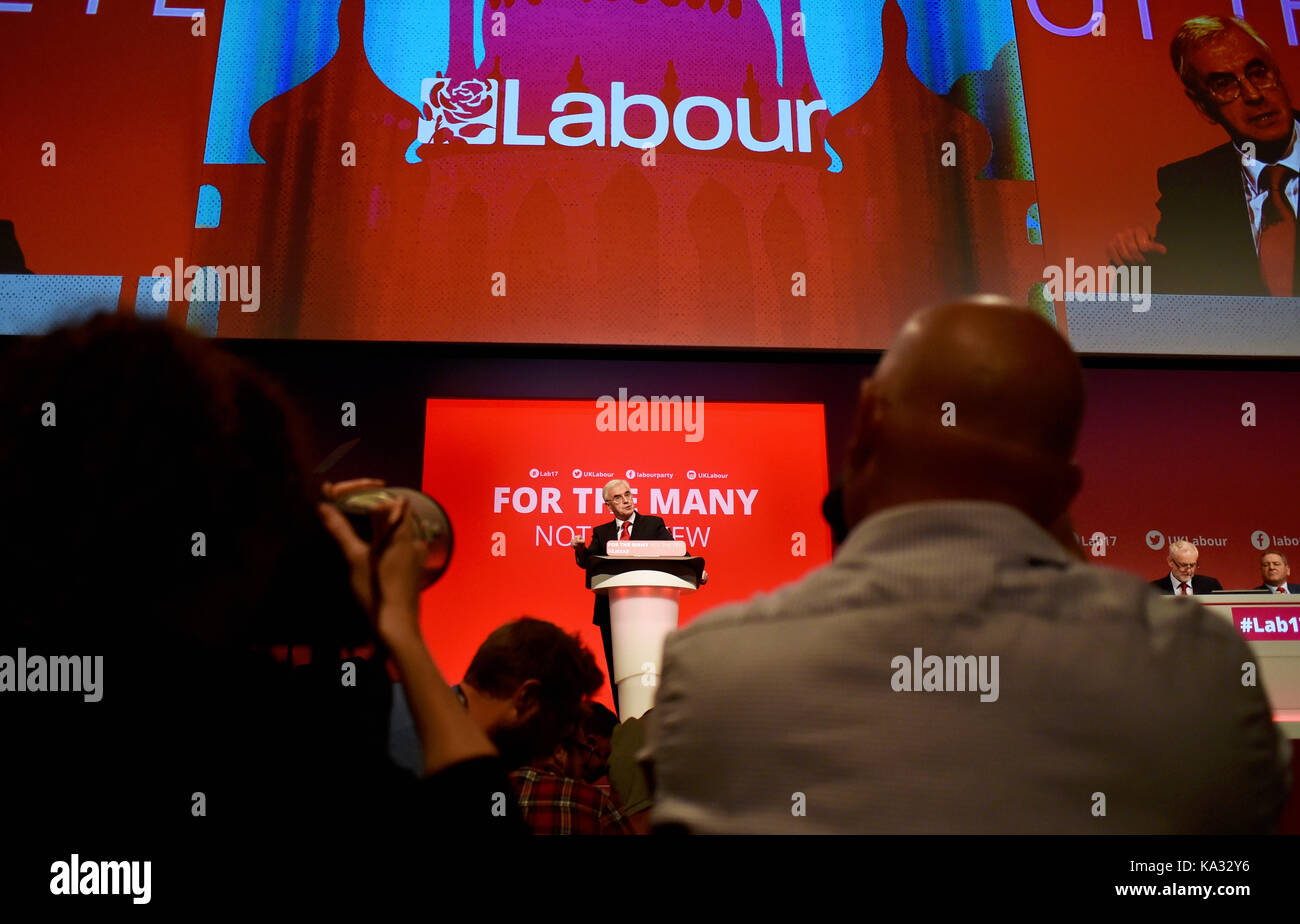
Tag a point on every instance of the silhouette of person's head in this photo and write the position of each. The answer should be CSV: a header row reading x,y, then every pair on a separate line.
x,y
160,515
11,255
526,685
594,742
979,400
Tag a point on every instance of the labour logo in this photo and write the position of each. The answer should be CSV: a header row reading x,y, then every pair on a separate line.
x,y
465,111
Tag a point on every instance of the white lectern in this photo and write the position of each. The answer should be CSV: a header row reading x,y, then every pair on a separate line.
x,y
643,580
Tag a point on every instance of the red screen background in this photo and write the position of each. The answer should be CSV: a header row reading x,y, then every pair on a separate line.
x,y
473,446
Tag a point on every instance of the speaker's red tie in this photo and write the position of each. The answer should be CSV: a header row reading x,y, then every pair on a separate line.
x,y
1277,232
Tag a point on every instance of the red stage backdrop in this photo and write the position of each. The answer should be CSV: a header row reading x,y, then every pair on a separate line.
x,y
1208,456
742,484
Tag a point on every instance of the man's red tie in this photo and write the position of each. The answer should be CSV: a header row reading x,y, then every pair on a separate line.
x,y
627,530
1182,588
1281,588
1277,232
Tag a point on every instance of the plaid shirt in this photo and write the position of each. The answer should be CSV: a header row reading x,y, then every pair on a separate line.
x,y
554,804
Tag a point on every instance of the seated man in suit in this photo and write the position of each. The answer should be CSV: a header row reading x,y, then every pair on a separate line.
x,y
627,524
1182,579
1275,569
1227,216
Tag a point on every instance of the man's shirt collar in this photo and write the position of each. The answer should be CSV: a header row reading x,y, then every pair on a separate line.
x,y
931,547
1251,168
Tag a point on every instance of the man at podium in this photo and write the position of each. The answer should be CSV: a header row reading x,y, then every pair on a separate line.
x,y
627,524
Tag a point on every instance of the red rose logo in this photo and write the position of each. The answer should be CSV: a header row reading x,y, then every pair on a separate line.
x,y
458,113
469,99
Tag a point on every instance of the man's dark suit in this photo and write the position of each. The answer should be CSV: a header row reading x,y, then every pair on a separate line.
x,y
1205,224
643,527
1290,588
1201,584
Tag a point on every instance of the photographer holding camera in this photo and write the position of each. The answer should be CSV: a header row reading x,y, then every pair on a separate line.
x,y
162,519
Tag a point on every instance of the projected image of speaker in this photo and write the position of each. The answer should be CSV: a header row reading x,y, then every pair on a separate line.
x,y
432,523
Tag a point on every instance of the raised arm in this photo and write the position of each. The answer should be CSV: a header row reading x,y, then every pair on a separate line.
x,y
580,550
385,579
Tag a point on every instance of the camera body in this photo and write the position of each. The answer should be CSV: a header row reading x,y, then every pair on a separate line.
x,y
432,523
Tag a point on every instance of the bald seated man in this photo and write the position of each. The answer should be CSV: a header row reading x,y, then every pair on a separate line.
x,y
955,668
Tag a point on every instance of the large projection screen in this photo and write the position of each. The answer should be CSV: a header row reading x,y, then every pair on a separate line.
x,y
788,174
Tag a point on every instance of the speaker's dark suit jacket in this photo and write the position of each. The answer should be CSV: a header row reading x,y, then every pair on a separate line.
x,y
1205,224
1201,584
1290,588
643,527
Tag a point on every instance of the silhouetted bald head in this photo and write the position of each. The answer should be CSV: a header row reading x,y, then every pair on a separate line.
x,y
977,400
1009,374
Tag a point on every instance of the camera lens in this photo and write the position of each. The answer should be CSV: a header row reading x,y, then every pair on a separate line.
x,y
431,522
